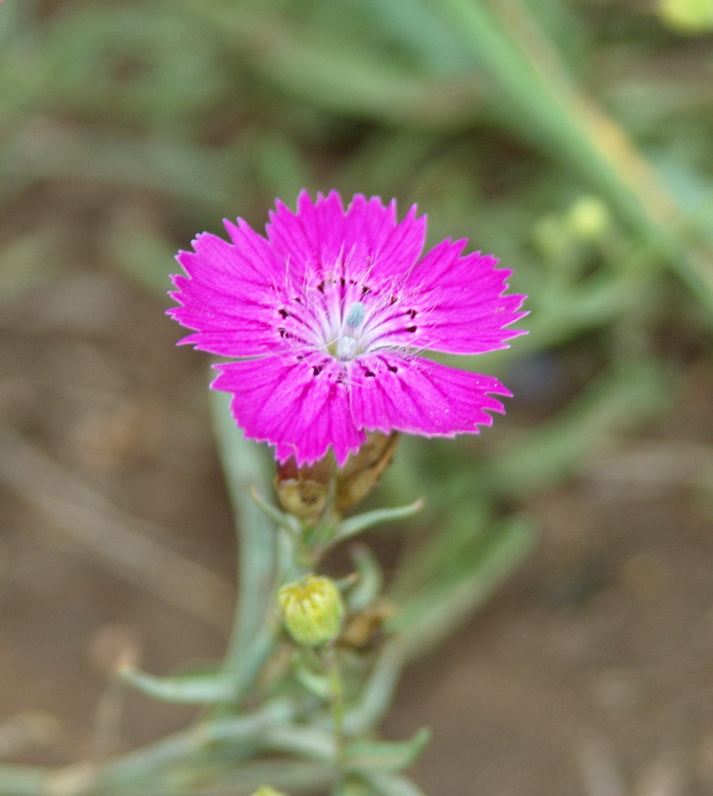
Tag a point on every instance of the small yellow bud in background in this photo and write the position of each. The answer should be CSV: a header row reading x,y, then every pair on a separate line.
x,y
312,610
266,790
588,218
687,16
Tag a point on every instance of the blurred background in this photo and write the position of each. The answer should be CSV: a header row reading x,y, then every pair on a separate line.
x,y
572,139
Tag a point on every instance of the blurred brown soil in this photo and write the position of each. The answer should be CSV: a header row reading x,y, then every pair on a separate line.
x,y
590,673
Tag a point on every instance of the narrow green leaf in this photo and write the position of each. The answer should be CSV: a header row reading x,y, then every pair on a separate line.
x,y
187,690
246,469
361,522
386,756
369,581
282,520
392,785
378,691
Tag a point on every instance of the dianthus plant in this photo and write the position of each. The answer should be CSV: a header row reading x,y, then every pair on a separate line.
x,y
326,322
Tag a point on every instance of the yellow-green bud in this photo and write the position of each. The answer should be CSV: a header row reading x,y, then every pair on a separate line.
x,y
687,16
312,610
266,790
589,218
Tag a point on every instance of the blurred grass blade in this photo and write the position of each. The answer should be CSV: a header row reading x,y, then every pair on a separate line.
x,y
18,780
342,73
434,611
509,43
40,149
460,519
555,449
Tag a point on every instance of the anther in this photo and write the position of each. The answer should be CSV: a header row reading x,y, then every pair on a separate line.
x,y
355,315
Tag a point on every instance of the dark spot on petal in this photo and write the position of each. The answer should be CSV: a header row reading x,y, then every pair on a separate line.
x,y
282,331
365,289
320,287
370,374
392,300
317,369
411,328
392,368
284,313
412,314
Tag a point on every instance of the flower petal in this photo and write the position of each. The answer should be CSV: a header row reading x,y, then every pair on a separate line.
x,y
418,396
460,303
322,242
300,406
311,240
231,293
384,250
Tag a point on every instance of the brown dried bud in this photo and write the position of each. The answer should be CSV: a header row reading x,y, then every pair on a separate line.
x,y
364,630
363,469
303,491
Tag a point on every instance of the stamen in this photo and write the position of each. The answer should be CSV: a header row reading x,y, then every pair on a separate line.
x,y
355,315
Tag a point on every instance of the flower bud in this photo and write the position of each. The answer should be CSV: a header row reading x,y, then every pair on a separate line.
x,y
589,218
303,491
312,610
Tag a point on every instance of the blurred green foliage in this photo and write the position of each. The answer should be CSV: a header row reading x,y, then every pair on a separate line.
x,y
572,139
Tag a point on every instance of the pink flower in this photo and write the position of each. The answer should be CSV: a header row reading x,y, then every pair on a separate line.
x,y
328,317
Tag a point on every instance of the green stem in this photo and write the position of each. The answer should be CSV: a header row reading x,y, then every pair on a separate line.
x,y
318,539
330,661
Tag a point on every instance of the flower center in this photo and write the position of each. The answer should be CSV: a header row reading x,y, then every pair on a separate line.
x,y
332,318
346,346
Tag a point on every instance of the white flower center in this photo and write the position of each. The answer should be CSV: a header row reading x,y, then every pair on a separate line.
x,y
333,318
347,343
